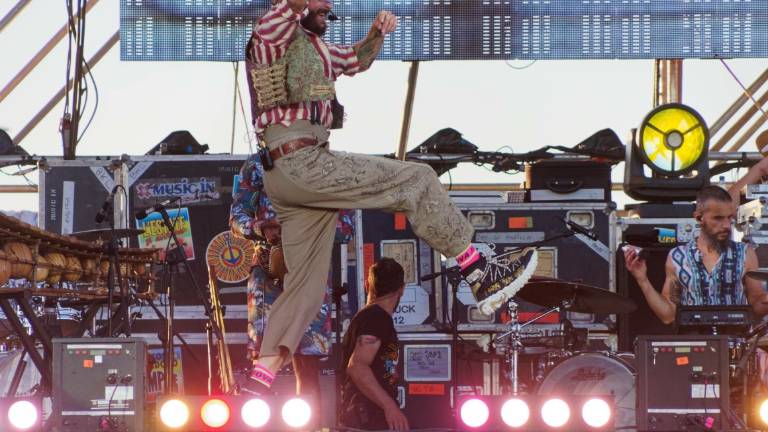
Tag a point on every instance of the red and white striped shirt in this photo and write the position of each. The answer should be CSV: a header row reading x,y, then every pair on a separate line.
x,y
270,40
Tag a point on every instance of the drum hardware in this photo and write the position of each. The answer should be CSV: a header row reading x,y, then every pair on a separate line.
x,y
581,297
104,235
226,375
599,374
515,344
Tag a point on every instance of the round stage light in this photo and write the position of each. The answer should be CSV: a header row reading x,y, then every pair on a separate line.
x,y
22,415
174,413
515,413
596,413
214,413
555,413
255,413
672,139
296,413
764,411
474,413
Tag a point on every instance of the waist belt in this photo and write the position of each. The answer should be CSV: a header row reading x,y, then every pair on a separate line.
x,y
291,146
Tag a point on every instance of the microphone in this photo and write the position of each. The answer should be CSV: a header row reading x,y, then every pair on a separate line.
x,y
579,229
142,214
102,214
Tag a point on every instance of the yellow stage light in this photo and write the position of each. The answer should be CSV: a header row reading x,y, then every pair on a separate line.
x,y
672,139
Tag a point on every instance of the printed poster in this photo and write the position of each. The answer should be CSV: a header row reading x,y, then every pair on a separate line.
x,y
156,234
156,369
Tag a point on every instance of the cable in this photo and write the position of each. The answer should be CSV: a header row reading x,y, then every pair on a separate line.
x,y
109,406
96,103
520,67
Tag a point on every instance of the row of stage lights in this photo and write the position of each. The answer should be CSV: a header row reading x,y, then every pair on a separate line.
x,y
234,413
256,414
535,413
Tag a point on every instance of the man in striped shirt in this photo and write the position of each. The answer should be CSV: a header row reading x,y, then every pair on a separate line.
x,y
291,73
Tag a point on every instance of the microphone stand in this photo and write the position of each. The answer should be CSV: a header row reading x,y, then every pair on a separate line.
x,y
204,300
340,288
112,248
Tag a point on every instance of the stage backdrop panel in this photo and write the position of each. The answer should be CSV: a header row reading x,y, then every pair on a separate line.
x,y
156,30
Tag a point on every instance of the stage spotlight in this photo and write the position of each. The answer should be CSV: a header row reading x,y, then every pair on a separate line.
x,y
174,413
515,413
673,141
215,413
555,413
255,413
23,415
764,411
296,413
474,413
596,413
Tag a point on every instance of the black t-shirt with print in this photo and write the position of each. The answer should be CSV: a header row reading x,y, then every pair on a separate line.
x,y
358,410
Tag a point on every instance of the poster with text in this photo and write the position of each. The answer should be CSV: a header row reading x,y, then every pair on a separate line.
x,y
156,234
156,375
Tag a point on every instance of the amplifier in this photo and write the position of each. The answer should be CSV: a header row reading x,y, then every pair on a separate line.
x,y
682,382
430,381
724,319
98,384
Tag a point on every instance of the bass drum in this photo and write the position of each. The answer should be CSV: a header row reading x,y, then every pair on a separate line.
x,y
597,373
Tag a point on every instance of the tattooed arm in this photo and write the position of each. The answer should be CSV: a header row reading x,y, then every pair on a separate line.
x,y
663,304
359,371
368,48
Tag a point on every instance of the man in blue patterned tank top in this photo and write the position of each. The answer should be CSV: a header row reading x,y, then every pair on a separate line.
x,y
710,269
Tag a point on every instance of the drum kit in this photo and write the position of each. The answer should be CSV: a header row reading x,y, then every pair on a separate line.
x,y
560,362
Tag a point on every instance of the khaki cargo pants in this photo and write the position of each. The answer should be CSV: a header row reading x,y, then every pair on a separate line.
x,y
308,186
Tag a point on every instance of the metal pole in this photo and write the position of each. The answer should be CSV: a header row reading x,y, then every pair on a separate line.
x,y
656,81
69,133
18,189
413,73
668,81
60,94
736,127
736,105
748,134
44,51
15,10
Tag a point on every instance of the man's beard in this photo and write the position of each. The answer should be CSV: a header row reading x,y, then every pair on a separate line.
x,y
720,245
309,22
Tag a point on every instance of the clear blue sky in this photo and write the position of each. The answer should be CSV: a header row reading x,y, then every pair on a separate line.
x,y
491,103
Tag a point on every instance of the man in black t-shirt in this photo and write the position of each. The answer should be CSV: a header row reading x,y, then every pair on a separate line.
x,y
369,398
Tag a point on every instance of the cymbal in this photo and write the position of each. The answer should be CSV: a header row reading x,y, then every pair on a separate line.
x,y
106,233
582,298
759,275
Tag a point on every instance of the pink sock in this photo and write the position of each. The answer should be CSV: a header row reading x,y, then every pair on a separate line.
x,y
469,256
261,374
